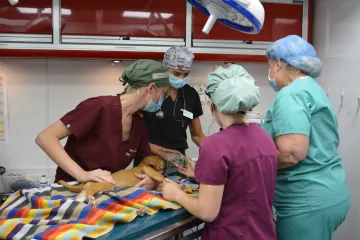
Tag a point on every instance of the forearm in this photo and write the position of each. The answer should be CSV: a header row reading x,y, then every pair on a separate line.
x,y
286,159
282,165
155,148
292,149
52,147
192,205
198,139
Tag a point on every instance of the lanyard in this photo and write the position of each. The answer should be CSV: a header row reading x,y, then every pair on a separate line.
x,y
174,111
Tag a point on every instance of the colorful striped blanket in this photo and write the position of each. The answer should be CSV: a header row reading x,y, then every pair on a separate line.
x,y
52,213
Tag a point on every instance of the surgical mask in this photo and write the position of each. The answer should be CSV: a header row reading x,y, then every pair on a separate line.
x,y
154,107
272,83
177,83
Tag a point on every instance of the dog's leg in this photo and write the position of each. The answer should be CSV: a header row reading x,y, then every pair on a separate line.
x,y
81,195
152,173
72,188
92,188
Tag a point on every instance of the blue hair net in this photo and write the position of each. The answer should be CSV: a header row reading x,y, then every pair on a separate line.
x,y
296,52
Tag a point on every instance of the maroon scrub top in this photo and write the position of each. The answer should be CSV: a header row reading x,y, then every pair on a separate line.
x,y
96,140
244,160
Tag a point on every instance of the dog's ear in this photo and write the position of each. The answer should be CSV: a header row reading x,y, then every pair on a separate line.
x,y
155,162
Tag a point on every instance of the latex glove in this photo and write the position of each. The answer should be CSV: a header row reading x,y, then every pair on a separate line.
x,y
170,190
97,175
146,182
188,169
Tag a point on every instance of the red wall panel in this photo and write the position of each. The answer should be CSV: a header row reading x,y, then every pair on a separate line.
x,y
280,20
141,18
310,28
28,17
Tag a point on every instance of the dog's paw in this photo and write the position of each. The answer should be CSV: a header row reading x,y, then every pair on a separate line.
x,y
91,201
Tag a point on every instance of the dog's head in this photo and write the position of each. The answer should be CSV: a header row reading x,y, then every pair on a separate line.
x,y
155,162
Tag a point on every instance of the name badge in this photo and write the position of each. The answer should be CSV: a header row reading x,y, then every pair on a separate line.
x,y
187,114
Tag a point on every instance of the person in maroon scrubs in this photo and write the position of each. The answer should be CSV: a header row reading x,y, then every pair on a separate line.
x,y
236,168
105,133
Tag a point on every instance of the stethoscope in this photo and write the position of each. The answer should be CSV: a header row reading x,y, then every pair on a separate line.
x,y
160,114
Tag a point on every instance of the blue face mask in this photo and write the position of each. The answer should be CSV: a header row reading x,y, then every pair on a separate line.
x,y
153,107
176,82
272,83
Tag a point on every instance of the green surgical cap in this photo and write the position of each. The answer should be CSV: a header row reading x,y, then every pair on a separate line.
x,y
233,89
144,72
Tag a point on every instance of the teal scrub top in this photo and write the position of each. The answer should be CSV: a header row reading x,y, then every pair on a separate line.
x,y
318,181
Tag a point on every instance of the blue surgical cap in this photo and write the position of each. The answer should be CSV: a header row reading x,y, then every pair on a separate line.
x,y
296,52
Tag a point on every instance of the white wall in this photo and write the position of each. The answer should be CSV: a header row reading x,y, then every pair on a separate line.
x,y
42,91
337,40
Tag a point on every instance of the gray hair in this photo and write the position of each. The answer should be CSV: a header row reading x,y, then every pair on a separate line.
x,y
291,68
129,89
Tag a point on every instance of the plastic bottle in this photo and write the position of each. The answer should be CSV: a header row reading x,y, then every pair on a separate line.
x,y
43,182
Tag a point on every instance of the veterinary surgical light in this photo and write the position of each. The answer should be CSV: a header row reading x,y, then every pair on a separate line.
x,y
242,15
13,2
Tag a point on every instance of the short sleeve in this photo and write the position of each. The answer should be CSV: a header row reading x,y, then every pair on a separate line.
x,y
197,107
144,147
211,167
83,118
291,115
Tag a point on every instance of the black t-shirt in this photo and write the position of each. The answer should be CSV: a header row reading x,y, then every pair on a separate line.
x,y
170,132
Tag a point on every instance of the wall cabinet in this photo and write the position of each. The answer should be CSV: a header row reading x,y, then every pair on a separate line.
x,y
138,29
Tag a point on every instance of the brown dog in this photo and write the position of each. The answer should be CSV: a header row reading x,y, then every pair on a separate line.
x,y
152,166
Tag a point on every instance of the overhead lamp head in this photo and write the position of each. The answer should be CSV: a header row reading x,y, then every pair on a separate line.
x,y
13,2
242,15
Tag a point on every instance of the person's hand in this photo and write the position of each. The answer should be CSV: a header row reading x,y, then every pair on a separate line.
x,y
188,169
146,182
158,150
170,190
97,175
162,152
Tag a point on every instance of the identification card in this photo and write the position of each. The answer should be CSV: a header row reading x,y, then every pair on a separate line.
x,y
187,114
